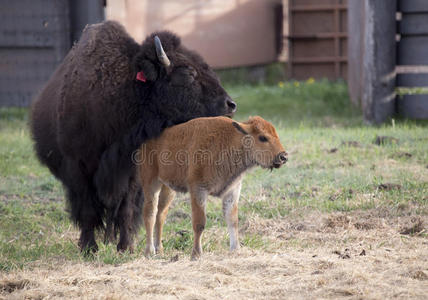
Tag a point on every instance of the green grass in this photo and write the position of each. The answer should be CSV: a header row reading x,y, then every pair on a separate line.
x,y
312,118
298,104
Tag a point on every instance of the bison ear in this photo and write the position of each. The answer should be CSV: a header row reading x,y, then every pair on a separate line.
x,y
239,128
256,123
141,64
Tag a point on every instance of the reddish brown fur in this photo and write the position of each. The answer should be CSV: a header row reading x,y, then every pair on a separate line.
x,y
205,156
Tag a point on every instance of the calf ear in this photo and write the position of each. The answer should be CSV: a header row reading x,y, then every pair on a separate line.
x,y
148,69
239,128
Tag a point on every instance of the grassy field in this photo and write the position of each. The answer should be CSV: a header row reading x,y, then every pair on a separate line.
x,y
345,214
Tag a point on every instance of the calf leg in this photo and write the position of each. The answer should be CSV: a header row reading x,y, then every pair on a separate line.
x,y
151,192
198,199
165,198
230,212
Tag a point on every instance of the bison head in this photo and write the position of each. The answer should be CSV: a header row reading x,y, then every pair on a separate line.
x,y
180,84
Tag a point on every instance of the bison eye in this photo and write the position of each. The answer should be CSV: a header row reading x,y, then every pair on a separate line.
x,y
263,139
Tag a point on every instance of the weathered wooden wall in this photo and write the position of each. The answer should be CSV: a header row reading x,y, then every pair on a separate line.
x,y
226,33
317,39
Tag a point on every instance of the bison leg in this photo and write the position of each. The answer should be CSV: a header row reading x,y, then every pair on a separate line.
x,y
110,233
128,219
151,192
165,198
87,242
230,212
86,210
87,217
125,225
198,199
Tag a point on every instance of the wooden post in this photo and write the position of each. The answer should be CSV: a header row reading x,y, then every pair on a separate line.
x,y
83,12
355,49
378,94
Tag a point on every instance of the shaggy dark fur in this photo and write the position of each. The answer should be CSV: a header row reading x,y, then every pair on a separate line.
x,y
93,114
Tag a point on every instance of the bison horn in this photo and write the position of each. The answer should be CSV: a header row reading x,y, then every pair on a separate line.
x,y
163,58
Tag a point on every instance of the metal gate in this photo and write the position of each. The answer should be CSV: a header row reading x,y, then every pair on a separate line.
x,y
35,35
388,48
317,39
412,57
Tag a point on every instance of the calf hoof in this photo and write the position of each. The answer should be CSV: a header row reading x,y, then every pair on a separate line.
x,y
196,255
150,251
235,249
159,250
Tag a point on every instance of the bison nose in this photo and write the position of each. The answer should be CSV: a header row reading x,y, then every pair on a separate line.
x,y
283,157
231,105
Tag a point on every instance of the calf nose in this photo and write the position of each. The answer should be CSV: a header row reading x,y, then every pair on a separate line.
x,y
231,104
283,157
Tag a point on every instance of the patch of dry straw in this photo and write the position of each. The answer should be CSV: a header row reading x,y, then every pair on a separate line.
x,y
353,256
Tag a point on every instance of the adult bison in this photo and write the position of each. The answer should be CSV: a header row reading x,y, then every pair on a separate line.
x,y
106,98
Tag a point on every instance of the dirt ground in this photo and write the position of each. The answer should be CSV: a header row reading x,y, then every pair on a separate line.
x,y
360,255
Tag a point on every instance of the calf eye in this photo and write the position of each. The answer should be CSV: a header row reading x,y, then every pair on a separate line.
x,y
263,139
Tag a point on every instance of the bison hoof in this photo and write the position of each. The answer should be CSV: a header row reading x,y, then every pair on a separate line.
x,y
109,237
123,247
87,244
88,250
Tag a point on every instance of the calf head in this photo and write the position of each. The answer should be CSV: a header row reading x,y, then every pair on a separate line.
x,y
262,143
181,85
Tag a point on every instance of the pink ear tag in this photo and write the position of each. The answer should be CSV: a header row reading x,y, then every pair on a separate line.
x,y
141,77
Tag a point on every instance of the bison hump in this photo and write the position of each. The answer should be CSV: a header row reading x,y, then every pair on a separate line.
x,y
96,84
102,58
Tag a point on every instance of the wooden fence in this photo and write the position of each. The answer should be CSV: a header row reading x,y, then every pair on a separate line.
x,y
317,39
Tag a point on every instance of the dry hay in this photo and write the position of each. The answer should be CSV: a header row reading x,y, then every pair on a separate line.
x,y
358,255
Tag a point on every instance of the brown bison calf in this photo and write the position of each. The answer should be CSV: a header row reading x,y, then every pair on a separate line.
x,y
204,156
